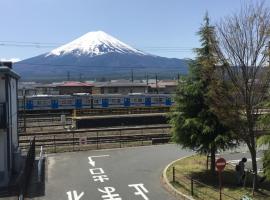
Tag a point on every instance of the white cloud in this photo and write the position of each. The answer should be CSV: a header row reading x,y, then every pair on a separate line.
x,y
10,59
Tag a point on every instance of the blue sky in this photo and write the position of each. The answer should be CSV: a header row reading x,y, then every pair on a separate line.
x,y
162,27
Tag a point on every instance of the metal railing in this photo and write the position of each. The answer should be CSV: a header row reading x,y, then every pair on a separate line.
x,y
3,117
25,175
91,139
197,189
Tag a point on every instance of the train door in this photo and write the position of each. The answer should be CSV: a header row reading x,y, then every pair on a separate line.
x,y
29,104
147,101
168,101
54,104
105,103
126,102
78,103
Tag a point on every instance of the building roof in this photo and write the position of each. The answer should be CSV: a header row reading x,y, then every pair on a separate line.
x,y
75,84
9,71
120,84
164,84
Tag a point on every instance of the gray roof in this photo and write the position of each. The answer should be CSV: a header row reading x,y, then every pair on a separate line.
x,y
119,84
8,71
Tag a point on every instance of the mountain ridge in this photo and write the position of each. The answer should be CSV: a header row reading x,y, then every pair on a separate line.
x,y
95,55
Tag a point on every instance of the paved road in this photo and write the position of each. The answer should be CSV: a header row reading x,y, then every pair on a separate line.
x,y
131,173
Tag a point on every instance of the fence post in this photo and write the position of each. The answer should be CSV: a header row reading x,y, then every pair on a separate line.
x,y
142,136
97,139
173,170
54,144
120,138
191,187
73,141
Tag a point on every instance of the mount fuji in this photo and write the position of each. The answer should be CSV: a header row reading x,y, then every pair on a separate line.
x,y
97,55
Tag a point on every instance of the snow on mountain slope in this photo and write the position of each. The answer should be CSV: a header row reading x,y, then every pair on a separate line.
x,y
94,44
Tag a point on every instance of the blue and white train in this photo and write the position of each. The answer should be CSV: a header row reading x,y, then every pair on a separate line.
x,y
86,101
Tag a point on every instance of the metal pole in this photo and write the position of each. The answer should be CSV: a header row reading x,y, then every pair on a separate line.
x,y
120,136
220,185
191,187
173,170
73,140
54,144
24,112
142,136
97,139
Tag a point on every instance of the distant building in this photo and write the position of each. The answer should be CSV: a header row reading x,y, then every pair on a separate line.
x,y
72,87
9,150
163,87
119,87
30,89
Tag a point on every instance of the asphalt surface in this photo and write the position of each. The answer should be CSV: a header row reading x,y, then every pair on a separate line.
x,y
128,174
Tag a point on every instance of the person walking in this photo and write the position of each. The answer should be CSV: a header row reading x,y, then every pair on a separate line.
x,y
240,172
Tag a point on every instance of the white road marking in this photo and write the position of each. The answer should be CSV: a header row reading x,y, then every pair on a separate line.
x,y
140,190
101,178
75,194
92,162
96,171
108,191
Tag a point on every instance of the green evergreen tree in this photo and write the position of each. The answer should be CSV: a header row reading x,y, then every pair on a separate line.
x,y
263,123
195,126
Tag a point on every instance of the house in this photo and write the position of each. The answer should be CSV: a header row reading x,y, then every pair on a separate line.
x,y
163,87
72,87
119,87
9,149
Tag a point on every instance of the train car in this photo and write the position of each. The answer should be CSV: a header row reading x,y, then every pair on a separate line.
x,y
39,102
86,101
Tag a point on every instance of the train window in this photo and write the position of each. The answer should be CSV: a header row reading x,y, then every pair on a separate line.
x,y
137,100
95,101
115,101
42,102
66,101
154,99
161,99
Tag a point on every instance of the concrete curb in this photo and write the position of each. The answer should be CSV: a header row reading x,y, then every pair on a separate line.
x,y
169,186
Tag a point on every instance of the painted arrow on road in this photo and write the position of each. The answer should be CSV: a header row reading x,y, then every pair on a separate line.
x,y
92,162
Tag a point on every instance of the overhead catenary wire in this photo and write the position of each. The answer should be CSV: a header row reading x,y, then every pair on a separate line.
x,y
5,43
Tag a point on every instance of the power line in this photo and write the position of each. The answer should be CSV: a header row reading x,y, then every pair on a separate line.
x,y
5,43
70,65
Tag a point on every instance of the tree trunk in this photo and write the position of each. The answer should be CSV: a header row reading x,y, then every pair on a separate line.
x,y
213,159
252,150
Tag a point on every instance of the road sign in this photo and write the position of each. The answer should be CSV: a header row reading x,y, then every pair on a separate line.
x,y
220,164
83,140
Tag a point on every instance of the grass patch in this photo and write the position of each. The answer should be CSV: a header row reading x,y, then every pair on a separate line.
x,y
206,184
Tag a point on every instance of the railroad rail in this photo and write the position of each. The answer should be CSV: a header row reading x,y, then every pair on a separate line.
x,y
97,138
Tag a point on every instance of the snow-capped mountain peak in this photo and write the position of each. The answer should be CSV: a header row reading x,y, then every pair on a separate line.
x,y
94,44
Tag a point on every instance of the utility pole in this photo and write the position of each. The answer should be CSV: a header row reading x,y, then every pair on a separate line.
x,y
80,77
68,76
24,111
132,80
156,84
269,52
132,76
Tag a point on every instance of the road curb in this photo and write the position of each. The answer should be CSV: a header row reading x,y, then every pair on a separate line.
x,y
168,185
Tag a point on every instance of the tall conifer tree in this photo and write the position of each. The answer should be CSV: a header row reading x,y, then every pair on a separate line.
x,y
195,126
